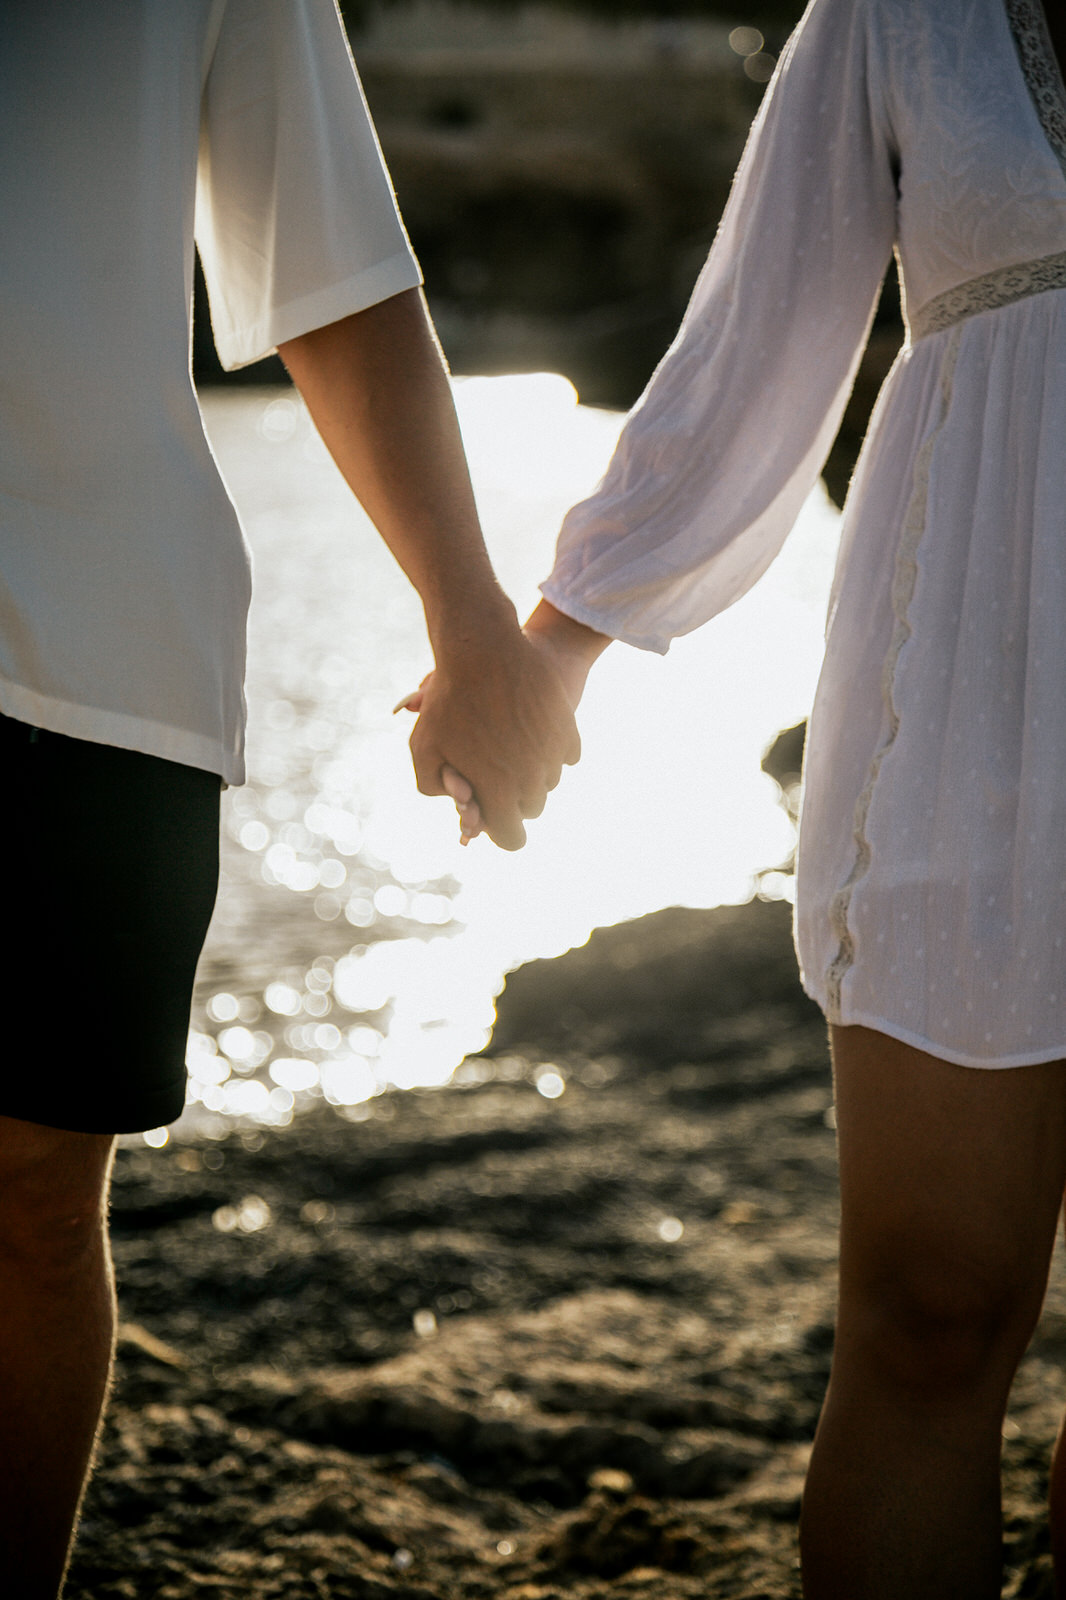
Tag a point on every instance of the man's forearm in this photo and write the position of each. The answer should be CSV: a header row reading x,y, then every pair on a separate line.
x,y
377,389
495,711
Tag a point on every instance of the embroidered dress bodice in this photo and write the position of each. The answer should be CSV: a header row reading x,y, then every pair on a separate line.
x,y
1012,181
931,892
1042,69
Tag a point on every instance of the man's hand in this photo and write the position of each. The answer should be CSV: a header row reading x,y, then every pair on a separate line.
x,y
496,711
568,649
494,714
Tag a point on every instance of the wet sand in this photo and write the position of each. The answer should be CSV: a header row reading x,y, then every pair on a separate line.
x,y
492,1341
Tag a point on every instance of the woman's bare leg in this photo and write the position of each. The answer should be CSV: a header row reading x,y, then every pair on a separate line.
x,y
951,1183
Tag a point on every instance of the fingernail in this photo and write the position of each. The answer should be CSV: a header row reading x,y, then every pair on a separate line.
x,y
405,703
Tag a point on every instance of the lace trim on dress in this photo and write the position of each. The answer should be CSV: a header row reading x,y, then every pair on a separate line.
x,y
1041,69
903,582
1002,287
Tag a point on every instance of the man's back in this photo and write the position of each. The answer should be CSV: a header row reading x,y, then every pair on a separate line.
x,y
124,582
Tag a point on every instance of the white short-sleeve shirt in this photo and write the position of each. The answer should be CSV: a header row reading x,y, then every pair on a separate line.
x,y
125,126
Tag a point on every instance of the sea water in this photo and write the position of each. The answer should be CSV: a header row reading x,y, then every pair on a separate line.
x,y
668,806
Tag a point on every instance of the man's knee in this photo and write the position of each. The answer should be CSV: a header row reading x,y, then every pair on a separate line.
x,y
53,1190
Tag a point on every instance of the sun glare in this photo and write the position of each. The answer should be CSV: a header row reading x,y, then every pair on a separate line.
x,y
668,806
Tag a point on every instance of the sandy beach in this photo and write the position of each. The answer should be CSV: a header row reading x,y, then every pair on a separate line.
x,y
559,1329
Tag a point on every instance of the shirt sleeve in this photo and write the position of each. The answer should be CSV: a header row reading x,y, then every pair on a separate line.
x,y
718,456
296,221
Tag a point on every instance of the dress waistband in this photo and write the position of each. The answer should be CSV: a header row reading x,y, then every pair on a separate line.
x,y
1003,287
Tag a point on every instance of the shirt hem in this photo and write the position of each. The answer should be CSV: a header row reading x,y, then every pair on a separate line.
x,y
932,1047
124,732
586,614
242,346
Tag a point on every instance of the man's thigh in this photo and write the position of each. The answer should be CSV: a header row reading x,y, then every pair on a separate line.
x,y
112,873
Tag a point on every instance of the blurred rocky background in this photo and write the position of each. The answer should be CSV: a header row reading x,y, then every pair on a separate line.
x,y
559,1331
562,169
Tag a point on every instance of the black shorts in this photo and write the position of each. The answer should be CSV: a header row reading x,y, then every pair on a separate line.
x,y
110,875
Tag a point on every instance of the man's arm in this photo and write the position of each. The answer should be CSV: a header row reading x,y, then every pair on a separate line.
x,y
495,709
572,648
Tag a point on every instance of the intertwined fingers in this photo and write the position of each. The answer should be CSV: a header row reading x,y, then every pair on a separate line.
x,y
506,733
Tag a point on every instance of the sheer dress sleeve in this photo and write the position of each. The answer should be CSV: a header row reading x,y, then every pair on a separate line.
x,y
296,222
717,457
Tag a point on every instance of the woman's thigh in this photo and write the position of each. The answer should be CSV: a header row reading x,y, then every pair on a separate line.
x,y
951,1184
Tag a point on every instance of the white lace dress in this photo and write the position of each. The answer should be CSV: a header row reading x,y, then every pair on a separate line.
x,y
932,865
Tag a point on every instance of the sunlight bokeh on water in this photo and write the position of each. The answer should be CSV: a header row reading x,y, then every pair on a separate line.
x,y
668,805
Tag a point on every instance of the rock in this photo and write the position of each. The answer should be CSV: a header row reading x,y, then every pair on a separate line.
x,y
657,988
784,759
609,1536
131,1334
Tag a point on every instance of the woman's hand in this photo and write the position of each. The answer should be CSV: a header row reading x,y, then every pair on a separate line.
x,y
571,647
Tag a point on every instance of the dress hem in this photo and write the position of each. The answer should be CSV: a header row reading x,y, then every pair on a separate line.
x,y
917,1041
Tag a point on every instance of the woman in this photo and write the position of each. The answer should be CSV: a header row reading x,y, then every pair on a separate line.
x,y
931,916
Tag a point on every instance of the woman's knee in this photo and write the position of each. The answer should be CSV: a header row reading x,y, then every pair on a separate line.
x,y
929,1321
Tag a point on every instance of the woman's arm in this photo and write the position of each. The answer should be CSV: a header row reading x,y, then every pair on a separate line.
x,y
718,456
572,647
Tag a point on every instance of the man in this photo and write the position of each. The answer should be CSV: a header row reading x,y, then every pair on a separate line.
x,y
124,586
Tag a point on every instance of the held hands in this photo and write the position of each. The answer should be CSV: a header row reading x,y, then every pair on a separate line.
x,y
496,725
495,714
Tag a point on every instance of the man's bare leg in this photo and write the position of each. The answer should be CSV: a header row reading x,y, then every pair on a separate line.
x,y
951,1183
57,1322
